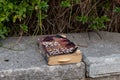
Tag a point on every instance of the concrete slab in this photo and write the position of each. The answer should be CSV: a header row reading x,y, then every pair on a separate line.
x,y
115,77
25,62
102,55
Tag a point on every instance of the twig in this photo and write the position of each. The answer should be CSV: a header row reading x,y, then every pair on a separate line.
x,y
21,33
98,34
12,48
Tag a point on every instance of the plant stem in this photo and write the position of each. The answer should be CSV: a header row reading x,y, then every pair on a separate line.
x,y
40,19
40,24
70,14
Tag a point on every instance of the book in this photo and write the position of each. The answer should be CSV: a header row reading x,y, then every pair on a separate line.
x,y
59,50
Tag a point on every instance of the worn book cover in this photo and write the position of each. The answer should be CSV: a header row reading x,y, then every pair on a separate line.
x,y
59,50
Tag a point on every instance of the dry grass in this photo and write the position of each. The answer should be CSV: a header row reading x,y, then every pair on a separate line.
x,y
63,20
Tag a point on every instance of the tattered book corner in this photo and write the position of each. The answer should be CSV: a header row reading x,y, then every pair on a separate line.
x,y
59,50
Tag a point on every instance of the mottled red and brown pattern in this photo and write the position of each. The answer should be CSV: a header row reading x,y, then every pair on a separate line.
x,y
57,45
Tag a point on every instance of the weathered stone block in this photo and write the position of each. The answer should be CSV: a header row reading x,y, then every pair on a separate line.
x,y
102,55
113,77
23,61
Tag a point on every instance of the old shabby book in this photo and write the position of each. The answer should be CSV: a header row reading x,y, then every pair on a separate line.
x,y
59,50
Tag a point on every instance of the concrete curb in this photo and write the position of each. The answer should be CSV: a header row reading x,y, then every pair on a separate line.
x,y
24,61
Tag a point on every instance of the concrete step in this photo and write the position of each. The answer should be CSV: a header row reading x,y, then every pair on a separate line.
x,y
102,55
25,62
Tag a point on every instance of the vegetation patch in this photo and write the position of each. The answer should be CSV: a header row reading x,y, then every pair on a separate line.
x,y
33,17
